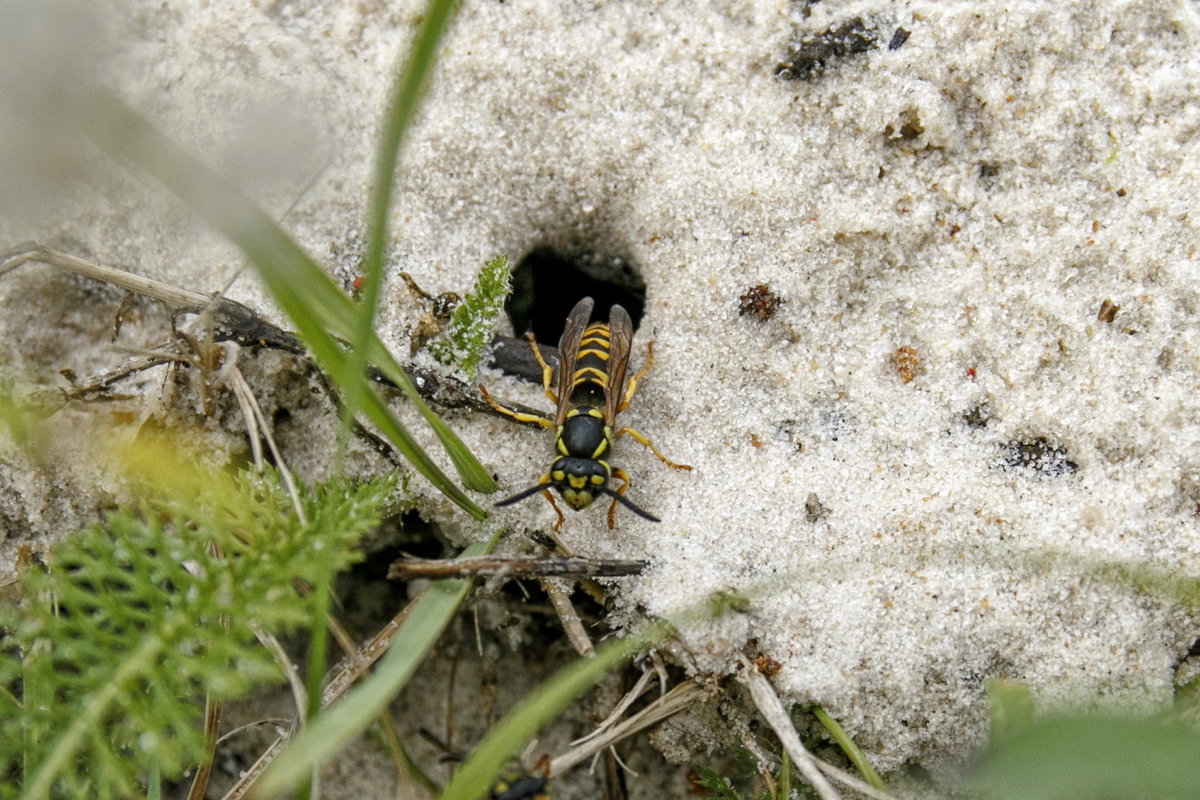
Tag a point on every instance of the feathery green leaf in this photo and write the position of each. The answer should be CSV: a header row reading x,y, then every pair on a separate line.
x,y
137,618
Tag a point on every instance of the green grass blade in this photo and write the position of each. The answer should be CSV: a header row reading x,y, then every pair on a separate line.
x,y
472,473
401,107
318,645
506,738
355,712
1010,708
315,305
1094,756
382,417
852,751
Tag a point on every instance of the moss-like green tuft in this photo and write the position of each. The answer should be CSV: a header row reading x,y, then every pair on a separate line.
x,y
137,619
474,320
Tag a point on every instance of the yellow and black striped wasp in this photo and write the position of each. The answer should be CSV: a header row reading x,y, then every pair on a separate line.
x,y
592,390
523,786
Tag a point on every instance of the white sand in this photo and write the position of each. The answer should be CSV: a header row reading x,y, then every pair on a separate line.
x,y
1055,167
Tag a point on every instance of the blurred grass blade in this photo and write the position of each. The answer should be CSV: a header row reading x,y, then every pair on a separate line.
x,y
506,738
361,706
1010,708
315,305
1094,756
402,104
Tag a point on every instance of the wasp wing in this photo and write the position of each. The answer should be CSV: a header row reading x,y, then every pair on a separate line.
x,y
568,352
620,328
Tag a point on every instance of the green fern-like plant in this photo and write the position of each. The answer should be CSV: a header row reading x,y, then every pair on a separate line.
x,y
707,779
136,619
474,319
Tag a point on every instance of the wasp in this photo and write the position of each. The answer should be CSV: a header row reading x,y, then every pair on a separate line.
x,y
524,786
592,390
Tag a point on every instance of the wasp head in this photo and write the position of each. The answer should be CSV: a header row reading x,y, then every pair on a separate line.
x,y
579,480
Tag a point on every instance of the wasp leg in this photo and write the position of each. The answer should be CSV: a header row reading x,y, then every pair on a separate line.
x,y
642,440
623,477
546,371
517,415
561,519
631,385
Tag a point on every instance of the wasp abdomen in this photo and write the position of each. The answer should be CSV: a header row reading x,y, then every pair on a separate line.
x,y
589,380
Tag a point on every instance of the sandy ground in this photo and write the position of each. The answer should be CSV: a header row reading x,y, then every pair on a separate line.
x,y
977,393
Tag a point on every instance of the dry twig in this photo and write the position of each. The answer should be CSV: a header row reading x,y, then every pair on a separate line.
x,y
777,717
409,568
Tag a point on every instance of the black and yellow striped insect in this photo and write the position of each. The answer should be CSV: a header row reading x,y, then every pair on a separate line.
x,y
522,786
592,390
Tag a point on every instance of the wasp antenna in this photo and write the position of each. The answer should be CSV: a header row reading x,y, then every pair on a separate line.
x,y
519,496
628,504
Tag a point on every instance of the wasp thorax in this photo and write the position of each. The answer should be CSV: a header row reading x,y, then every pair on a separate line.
x,y
578,480
584,433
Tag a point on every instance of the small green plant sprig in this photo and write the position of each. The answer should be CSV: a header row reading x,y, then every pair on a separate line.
x,y
778,789
136,619
474,319
707,779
